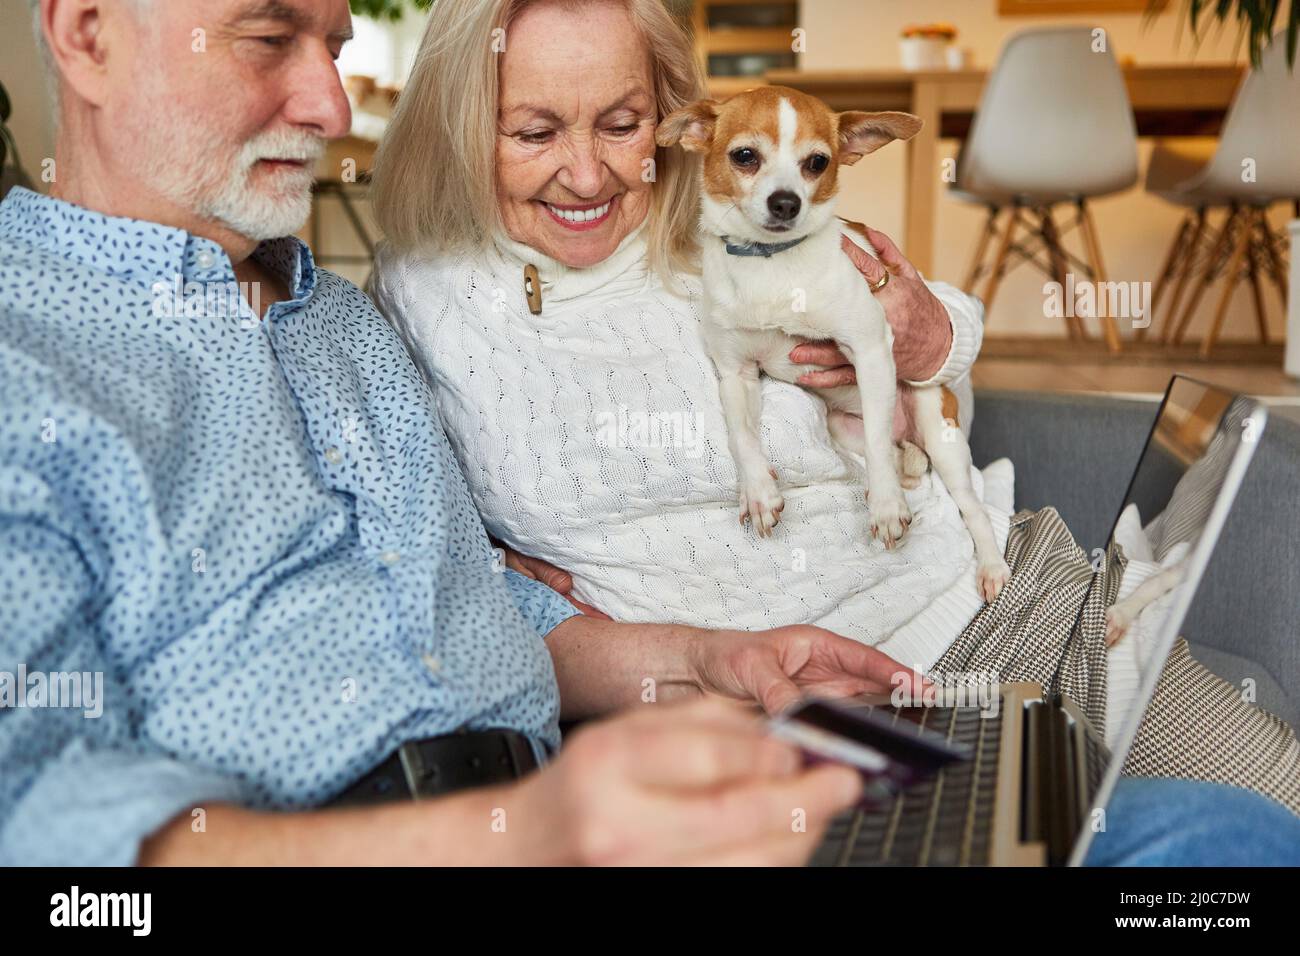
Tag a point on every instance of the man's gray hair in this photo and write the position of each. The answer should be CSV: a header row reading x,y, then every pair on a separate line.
x,y
47,61
41,45
47,57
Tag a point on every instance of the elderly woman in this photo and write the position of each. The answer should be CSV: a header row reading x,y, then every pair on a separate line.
x,y
542,270
542,267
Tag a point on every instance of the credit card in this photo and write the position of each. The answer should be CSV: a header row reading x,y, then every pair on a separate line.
x,y
890,754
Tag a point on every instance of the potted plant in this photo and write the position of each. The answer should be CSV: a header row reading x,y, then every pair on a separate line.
x,y
387,9
1258,21
925,46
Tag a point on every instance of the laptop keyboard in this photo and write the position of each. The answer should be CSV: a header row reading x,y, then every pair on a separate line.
x,y
945,820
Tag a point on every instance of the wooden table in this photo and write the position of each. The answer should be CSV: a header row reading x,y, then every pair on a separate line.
x,y
1174,100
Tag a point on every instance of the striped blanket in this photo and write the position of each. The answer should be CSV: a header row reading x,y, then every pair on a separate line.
x,y
1196,726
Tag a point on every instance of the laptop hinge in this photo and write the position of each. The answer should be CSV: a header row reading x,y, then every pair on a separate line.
x,y
1063,810
1032,827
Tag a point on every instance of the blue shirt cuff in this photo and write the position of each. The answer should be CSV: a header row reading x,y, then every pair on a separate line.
x,y
96,808
540,606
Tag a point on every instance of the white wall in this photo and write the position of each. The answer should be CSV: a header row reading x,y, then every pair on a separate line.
x,y
1135,229
383,50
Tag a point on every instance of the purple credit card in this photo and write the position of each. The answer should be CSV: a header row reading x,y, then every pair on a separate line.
x,y
890,754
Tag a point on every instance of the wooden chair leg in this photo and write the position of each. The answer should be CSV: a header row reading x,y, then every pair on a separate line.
x,y
1207,274
1166,274
1254,250
1193,244
1055,254
1276,267
1231,278
981,248
1000,261
1108,324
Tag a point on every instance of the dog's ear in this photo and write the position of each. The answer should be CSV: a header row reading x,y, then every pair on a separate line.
x,y
862,133
691,126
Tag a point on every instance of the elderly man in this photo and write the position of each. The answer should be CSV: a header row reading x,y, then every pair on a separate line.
x,y
224,488
225,494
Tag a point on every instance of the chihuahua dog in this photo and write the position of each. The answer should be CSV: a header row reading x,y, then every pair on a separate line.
x,y
774,273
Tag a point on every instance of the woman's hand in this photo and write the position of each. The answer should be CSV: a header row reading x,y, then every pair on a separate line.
x,y
561,582
779,667
922,330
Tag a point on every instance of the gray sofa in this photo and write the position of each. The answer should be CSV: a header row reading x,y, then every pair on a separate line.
x,y
1077,454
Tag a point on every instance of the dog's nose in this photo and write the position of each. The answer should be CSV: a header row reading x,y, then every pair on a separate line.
x,y
783,205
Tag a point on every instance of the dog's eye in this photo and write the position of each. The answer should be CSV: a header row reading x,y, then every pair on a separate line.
x,y
817,163
744,157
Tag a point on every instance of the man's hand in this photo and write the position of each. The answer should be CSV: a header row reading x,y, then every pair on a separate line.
x,y
557,580
700,783
693,784
922,330
779,667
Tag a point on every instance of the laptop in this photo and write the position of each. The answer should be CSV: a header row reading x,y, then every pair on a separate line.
x,y
1039,774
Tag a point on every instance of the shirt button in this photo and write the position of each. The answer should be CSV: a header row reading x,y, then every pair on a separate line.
x,y
206,260
432,663
333,455
390,557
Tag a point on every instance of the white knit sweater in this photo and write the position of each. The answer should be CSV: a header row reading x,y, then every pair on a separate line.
x,y
592,437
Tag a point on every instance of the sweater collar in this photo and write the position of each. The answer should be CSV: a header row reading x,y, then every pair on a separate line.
x,y
624,272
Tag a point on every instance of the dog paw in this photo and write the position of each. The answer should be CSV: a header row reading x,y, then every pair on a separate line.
x,y
992,577
890,518
1117,624
760,505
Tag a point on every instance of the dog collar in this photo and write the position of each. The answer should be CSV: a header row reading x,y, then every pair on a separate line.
x,y
764,249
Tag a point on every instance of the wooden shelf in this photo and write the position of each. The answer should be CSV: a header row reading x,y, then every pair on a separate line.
x,y
737,41
741,40
724,86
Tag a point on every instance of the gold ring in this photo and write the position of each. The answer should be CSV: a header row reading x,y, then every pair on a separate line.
x,y
884,281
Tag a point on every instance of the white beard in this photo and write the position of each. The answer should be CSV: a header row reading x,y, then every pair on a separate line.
x,y
188,165
282,203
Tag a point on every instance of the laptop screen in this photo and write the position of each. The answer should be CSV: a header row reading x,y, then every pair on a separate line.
x,y
1181,475
1170,518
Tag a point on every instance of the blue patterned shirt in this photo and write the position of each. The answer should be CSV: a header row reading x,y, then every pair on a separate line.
x,y
252,532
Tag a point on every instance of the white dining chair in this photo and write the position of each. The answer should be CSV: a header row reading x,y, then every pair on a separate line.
x,y
1054,126
1255,164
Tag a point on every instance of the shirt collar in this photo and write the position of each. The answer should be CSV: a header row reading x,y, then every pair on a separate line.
x,y
140,251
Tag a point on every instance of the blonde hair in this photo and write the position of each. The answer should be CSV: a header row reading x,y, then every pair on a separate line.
x,y
434,181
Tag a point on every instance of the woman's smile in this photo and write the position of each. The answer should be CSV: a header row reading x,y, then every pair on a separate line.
x,y
581,217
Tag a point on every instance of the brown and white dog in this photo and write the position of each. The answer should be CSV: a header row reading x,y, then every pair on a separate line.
x,y
774,273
